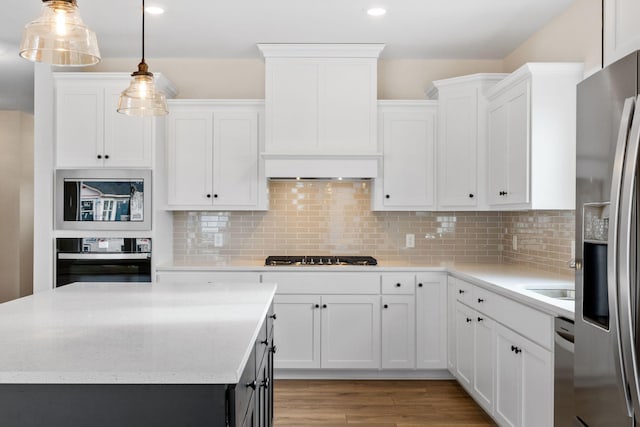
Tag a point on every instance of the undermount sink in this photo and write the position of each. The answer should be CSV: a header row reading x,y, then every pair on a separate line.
x,y
557,293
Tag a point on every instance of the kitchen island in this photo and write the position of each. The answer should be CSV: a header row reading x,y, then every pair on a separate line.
x,y
106,354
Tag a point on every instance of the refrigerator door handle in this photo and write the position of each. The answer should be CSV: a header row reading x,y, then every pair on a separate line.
x,y
612,248
626,274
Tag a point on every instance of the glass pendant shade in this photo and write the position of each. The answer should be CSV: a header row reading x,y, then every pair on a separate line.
x,y
142,98
59,37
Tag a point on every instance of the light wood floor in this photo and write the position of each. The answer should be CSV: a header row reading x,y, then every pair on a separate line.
x,y
375,404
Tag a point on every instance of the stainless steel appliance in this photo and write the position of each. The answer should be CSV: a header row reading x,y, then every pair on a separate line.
x,y
563,408
95,259
316,260
103,199
607,319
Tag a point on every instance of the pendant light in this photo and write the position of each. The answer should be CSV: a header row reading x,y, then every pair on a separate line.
x,y
59,37
142,98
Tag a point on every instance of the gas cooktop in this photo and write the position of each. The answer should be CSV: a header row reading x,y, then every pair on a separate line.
x,y
319,260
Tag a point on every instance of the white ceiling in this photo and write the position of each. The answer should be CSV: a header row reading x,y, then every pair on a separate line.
x,y
487,29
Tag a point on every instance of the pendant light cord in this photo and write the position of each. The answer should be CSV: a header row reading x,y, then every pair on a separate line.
x,y
142,31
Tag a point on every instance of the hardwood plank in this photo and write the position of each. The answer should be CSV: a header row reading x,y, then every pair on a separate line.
x,y
376,403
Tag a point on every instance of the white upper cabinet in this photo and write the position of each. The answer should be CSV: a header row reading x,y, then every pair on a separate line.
x,y
321,99
213,155
408,130
89,132
460,148
621,30
531,138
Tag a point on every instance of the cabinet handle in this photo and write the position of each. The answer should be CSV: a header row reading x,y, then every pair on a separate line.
x,y
480,300
208,196
316,306
265,342
480,319
419,285
386,306
265,383
387,196
398,285
99,156
252,385
469,320
324,305
471,195
106,156
273,316
273,349
461,291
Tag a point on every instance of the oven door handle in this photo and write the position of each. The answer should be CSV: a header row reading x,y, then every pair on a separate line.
x,y
110,256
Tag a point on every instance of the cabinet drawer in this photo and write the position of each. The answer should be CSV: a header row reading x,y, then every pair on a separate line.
x,y
245,387
398,284
318,282
527,321
462,290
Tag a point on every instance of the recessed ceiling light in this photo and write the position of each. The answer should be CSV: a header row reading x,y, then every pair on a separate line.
x,y
376,11
154,10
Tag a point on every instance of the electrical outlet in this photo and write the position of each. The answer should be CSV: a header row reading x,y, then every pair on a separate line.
x,y
410,240
515,242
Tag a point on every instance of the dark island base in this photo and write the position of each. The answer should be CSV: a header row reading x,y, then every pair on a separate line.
x,y
109,405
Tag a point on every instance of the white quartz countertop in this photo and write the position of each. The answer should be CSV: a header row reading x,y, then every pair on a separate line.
x,y
512,281
125,333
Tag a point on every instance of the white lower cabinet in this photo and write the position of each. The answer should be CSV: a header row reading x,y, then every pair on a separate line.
x,y
398,332
508,374
524,381
431,320
298,332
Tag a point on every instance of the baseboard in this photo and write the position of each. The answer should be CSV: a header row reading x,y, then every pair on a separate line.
x,y
365,374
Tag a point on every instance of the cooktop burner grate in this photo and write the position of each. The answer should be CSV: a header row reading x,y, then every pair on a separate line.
x,y
319,260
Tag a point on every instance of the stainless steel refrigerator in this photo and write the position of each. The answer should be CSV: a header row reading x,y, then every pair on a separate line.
x,y
607,348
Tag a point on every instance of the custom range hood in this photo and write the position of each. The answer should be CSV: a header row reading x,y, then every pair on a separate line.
x,y
321,110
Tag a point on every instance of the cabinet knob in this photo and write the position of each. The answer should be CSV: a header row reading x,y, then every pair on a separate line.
x,y
273,316
106,156
471,196
208,196
266,382
99,156
386,306
215,196
398,285
324,305
517,350
469,320
252,385
480,300
387,196
274,349
419,285
480,319
461,291
317,306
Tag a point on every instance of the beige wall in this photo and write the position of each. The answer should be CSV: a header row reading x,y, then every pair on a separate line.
x,y
16,209
575,35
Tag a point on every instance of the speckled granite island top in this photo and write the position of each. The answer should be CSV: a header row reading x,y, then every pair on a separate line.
x,y
107,333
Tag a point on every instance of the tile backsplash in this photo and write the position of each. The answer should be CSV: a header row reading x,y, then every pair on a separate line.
x,y
334,218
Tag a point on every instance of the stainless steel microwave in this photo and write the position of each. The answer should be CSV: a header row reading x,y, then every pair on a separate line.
x,y
103,199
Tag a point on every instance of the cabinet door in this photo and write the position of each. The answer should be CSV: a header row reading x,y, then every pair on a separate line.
x,y
235,159
457,149
398,332
518,132
127,140
464,345
497,157
408,166
189,152
79,126
452,290
621,31
508,380
298,331
483,370
431,325
350,331
537,385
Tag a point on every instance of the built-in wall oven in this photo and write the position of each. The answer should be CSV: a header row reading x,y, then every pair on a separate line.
x,y
95,259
